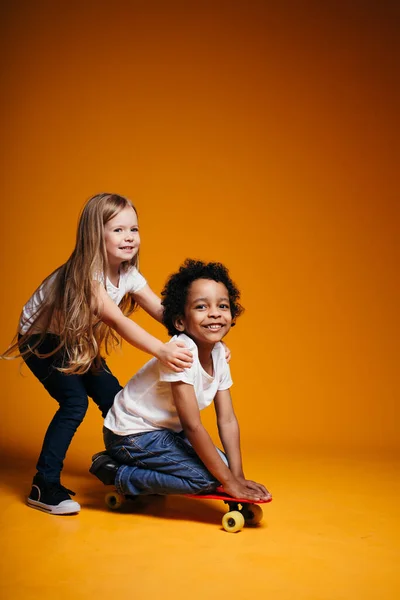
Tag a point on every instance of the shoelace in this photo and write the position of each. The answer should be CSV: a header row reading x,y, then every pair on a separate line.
x,y
70,492
57,487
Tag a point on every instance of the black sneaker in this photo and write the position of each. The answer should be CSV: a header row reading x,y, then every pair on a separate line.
x,y
51,497
104,467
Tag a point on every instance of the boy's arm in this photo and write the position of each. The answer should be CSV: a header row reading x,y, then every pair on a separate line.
x,y
228,429
150,302
189,415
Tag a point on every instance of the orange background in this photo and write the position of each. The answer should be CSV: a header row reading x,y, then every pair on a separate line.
x,y
260,134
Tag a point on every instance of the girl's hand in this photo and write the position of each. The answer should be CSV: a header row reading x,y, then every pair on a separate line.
x,y
238,489
227,353
176,356
256,487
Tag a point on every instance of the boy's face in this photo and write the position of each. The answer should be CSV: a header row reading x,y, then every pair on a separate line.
x,y
207,317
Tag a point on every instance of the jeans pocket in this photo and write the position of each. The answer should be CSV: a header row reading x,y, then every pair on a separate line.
x,y
122,455
133,449
168,438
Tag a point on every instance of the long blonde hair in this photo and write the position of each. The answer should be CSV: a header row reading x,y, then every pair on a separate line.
x,y
69,306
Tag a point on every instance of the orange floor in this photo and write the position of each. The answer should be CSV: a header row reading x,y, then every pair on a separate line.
x,y
331,533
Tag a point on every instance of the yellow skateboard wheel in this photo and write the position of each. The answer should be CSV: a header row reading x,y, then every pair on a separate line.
x,y
253,514
233,521
114,501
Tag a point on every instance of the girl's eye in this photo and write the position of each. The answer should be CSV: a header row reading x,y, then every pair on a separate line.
x,y
118,229
224,306
200,306
134,229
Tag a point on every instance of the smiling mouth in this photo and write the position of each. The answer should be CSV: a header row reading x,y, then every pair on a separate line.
x,y
127,248
214,326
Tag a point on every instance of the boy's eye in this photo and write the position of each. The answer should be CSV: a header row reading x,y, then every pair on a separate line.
x,y
201,306
225,306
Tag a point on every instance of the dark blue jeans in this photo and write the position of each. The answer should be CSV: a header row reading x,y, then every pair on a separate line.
x,y
158,462
71,393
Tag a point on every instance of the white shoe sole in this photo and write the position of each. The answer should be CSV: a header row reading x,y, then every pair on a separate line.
x,y
66,507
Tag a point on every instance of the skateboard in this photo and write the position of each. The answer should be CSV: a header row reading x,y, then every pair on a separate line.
x,y
241,512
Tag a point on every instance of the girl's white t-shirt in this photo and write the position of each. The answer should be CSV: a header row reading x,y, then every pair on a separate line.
x,y
146,402
130,281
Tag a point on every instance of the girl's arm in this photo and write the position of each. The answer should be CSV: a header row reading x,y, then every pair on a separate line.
x,y
189,415
174,355
228,429
150,302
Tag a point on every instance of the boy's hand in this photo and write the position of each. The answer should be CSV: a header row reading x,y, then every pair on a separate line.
x,y
227,352
256,487
239,489
176,356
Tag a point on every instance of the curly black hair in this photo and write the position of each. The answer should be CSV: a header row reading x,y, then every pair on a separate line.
x,y
176,289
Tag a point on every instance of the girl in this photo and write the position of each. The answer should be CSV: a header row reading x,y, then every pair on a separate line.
x,y
83,304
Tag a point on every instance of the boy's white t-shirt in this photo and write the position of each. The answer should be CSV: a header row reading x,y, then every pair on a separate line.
x,y
146,402
130,281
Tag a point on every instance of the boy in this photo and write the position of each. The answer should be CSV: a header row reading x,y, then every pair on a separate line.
x,y
153,430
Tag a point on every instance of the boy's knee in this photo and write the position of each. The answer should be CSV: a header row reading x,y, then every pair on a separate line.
x,y
203,487
203,483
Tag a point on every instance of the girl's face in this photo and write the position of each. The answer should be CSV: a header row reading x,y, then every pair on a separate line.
x,y
121,236
207,317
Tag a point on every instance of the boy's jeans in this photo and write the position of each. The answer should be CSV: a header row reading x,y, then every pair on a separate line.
x,y
158,462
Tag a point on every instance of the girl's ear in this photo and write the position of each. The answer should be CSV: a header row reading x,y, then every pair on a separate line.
x,y
179,324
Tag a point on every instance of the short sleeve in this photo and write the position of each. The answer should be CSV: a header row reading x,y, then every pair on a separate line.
x,y
226,379
134,281
224,372
189,374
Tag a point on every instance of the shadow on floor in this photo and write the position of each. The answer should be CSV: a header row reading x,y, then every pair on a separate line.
x,y
17,470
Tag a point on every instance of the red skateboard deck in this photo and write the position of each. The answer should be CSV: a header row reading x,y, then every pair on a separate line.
x,y
241,511
219,494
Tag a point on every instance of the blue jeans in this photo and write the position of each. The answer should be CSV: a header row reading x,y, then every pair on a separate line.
x,y
71,392
158,462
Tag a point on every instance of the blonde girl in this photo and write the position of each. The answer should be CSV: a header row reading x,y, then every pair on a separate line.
x,y
82,307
